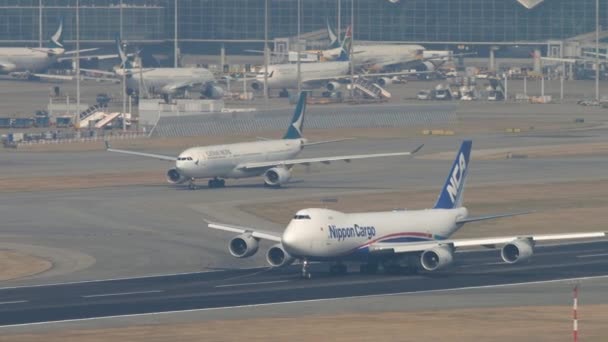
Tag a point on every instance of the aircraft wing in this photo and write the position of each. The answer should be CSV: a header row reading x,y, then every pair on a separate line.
x,y
173,87
256,233
324,160
141,154
479,242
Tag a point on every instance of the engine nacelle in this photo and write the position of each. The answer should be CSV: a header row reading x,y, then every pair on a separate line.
x,y
213,92
257,86
174,177
243,246
276,176
278,257
332,86
382,81
436,258
517,251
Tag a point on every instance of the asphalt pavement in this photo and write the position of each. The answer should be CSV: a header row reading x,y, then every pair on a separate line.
x,y
259,286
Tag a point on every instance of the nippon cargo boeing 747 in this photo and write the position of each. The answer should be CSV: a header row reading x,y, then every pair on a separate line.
x,y
409,239
271,159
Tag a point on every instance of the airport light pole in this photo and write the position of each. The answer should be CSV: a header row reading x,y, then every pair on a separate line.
x,y
175,47
120,12
597,50
266,53
39,23
298,50
78,63
339,17
352,45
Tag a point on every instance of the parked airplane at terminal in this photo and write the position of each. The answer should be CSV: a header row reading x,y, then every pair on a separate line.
x,y
416,239
330,75
272,159
379,57
21,62
164,81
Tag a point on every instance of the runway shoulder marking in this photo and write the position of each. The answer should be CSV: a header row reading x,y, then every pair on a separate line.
x,y
258,283
121,294
592,255
13,302
307,301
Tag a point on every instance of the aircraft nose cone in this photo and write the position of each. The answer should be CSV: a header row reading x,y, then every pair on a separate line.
x,y
291,242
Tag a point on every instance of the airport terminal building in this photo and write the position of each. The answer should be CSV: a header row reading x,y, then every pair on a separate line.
x,y
240,21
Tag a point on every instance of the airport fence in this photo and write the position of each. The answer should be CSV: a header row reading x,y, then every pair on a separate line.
x,y
316,118
93,139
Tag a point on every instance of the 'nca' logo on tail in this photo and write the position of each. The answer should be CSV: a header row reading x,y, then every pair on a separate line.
x,y
453,188
456,178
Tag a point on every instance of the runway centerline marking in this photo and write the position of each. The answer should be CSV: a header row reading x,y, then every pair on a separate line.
x,y
13,302
121,294
258,283
592,255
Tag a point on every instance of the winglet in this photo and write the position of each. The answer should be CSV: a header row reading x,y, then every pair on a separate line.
x,y
417,149
294,131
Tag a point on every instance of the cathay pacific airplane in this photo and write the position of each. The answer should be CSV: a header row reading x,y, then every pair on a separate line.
x,y
403,239
272,159
23,62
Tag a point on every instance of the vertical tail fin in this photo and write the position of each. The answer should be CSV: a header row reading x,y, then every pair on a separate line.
x,y
56,40
297,122
346,45
124,60
334,40
452,192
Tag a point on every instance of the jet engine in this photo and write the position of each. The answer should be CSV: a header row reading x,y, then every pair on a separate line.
x,y
517,251
331,86
243,246
212,91
436,258
278,257
276,176
428,66
257,86
382,81
174,177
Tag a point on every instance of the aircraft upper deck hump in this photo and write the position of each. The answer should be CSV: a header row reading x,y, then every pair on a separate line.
x,y
294,131
452,192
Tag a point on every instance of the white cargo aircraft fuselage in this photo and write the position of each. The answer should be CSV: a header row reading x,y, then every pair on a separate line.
x,y
349,235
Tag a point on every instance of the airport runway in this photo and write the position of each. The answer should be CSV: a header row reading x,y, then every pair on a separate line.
x,y
151,229
245,287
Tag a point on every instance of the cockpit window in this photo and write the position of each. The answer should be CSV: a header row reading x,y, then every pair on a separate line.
x,y
184,158
301,217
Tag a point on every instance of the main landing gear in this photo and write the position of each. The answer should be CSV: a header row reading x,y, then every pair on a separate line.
x,y
216,183
338,269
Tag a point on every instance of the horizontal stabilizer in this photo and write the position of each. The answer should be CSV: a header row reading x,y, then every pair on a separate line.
x,y
491,217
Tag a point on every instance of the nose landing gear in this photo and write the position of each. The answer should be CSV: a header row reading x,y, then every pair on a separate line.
x,y
305,273
192,184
